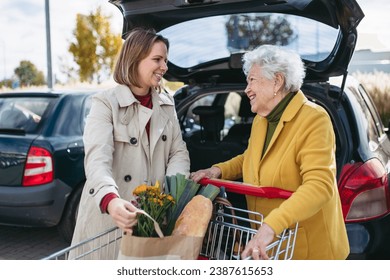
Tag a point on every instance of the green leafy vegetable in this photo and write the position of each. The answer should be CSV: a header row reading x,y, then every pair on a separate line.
x,y
209,191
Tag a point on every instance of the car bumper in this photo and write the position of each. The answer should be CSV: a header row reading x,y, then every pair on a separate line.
x,y
33,206
370,238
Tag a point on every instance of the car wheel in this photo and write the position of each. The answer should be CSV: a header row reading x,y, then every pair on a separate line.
x,y
68,220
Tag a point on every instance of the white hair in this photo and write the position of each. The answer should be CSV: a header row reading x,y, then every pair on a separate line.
x,y
275,59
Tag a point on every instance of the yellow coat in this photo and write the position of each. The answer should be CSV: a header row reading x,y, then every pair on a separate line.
x,y
299,158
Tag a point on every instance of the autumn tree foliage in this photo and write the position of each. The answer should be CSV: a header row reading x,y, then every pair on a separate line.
x,y
95,46
28,74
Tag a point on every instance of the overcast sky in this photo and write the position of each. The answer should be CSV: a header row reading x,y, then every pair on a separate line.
x,y
23,37
23,30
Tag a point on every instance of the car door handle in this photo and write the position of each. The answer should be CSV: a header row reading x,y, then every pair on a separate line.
x,y
75,148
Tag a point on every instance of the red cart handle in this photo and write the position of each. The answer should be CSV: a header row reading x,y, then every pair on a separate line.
x,y
247,189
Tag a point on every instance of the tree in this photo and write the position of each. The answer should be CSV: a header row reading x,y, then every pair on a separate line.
x,y
6,83
95,46
249,31
28,74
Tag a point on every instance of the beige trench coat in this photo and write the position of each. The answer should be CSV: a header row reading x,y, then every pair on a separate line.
x,y
119,155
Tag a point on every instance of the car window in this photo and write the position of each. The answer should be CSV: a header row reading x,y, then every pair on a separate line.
x,y
364,119
22,112
231,102
371,109
191,121
229,34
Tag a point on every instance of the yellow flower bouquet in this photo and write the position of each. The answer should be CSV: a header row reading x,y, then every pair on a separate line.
x,y
156,204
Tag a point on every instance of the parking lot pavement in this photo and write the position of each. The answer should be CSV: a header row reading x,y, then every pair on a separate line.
x,y
18,243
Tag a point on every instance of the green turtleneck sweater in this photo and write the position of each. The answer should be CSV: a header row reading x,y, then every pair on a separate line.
x,y
274,117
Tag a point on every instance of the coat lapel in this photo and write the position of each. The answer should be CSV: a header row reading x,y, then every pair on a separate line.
x,y
159,118
144,114
124,96
256,143
291,110
125,99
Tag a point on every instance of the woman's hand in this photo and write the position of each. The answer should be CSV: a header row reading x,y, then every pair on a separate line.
x,y
123,213
212,172
257,245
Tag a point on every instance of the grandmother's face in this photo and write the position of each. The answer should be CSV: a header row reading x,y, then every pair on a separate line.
x,y
261,92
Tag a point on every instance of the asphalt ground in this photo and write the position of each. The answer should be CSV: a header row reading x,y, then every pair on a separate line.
x,y
20,243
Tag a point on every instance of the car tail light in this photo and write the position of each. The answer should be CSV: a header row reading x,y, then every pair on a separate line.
x,y
364,191
39,167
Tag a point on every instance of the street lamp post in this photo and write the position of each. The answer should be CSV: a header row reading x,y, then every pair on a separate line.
x,y
48,46
4,59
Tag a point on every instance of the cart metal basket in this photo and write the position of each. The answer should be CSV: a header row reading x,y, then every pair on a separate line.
x,y
104,244
230,229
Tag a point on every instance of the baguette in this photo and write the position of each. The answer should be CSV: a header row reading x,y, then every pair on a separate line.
x,y
195,217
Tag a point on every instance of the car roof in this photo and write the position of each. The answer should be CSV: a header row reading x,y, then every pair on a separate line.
x,y
341,15
45,93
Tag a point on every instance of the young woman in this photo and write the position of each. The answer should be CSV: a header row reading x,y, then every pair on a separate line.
x,y
132,136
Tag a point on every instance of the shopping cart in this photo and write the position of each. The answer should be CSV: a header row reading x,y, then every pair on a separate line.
x,y
229,230
105,245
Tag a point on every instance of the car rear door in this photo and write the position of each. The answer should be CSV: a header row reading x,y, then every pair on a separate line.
x,y
21,119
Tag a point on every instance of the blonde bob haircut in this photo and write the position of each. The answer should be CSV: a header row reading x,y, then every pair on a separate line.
x,y
137,45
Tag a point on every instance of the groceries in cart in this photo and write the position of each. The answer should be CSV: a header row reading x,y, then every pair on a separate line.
x,y
206,225
175,223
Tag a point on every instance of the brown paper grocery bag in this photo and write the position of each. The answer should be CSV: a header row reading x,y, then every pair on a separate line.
x,y
178,247
175,247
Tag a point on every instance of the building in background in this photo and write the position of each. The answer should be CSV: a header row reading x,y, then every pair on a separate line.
x,y
368,61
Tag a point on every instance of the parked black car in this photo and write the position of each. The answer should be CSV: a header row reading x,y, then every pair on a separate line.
x,y
208,38
41,158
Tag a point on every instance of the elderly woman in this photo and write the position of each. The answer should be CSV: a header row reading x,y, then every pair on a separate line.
x,y
292,146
